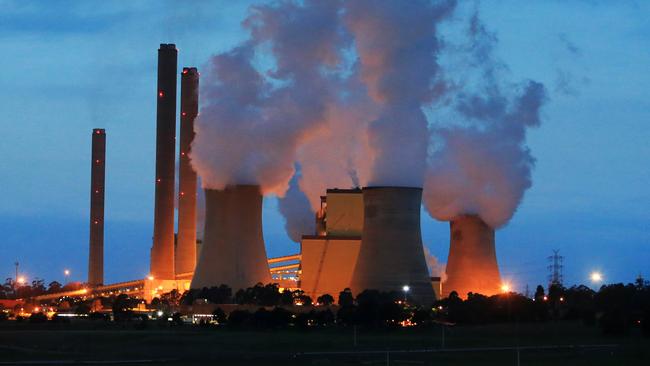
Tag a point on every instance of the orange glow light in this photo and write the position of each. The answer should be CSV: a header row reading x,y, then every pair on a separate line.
x,y
505,288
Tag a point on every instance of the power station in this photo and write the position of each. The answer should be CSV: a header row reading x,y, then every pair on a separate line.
x,y
365,238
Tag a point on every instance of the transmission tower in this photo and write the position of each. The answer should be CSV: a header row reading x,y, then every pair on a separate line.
x,y
555,268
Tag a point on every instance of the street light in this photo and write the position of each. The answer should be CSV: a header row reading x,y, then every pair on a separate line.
x,y
406,289
596,277
22,280
66,273
505,288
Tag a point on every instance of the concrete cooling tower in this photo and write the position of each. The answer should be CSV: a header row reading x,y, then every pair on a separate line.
x,y
233,250
391,254
472,263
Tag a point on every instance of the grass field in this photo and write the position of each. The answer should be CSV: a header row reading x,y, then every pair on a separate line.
x,y
529,344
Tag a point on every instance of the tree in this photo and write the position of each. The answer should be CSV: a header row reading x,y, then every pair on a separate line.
x,y
54,287
345,298
122,307
38,287
376,308
286,297
325,300
299,298
539,293
238,318
219,316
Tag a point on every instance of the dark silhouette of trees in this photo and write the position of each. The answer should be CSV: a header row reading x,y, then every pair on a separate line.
x,y
346,298
219,316
54,287
216,295
325,299
122,307
264,295
379,309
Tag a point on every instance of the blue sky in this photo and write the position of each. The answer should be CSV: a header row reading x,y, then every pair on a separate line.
x,y
67,67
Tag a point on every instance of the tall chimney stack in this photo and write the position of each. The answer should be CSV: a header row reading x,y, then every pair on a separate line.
x,y
97,177
162,252
186,242
472,262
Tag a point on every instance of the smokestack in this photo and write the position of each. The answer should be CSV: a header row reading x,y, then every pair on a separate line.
x,y
186,245
391,254
97,177
472,263
233,250
162,252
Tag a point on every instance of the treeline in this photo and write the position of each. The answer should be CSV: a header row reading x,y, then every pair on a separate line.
x,y
13,290
260,294
615,308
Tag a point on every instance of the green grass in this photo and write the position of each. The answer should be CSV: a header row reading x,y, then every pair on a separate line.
x,y
193,345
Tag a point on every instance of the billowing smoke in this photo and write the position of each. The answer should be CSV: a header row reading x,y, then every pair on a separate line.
x,y
482,166
397,45
358,93
436,268
252,122
337,155
294,206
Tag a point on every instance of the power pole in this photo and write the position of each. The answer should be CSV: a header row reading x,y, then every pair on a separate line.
x,y
555,268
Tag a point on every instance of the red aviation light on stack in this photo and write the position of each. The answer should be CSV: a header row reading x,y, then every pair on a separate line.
x,y
162,251
97,179
185,255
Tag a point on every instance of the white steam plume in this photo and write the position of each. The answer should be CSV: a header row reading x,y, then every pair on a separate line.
x,y
483,166
298,215
340,89
436,268
397,45
251,123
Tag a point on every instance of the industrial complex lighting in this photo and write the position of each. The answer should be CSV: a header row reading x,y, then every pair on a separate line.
x,y
505,288
596,277
150,278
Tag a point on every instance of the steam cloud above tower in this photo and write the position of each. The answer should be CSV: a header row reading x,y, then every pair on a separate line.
x,y
364,93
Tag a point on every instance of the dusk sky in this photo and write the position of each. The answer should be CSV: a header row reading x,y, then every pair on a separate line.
x,y
71,66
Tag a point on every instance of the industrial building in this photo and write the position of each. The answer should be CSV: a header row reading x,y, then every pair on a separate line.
x,y
365,238
328,257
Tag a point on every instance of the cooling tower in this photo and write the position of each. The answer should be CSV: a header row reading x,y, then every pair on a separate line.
x,y
472,263
233,250
97,176
162,252
185,255
391,254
